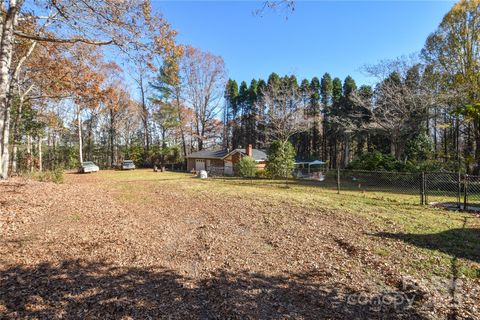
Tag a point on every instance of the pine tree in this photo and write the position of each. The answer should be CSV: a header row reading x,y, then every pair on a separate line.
x,y
303,140
261,115
346,110
241,119
315,111
230,113
251,114
326,91
336,91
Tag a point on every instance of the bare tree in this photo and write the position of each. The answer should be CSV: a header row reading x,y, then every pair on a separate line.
x,y
204,76
93,22
400,103
285,113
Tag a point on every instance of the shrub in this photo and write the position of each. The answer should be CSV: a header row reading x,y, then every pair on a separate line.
x,y
55,175
247,167
419,149
281,159
376,161
261,174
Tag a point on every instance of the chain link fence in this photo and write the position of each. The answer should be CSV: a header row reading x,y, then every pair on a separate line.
x,y
471,193
443,189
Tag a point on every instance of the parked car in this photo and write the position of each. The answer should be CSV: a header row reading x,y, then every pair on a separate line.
x,y
88,166
128,165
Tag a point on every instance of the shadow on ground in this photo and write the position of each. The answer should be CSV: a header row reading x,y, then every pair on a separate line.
x,y
13,187
78,290
460,243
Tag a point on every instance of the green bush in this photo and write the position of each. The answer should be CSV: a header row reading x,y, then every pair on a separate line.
x,y
373,161
280,159
376,161
55,175
419,149
247,167
261,174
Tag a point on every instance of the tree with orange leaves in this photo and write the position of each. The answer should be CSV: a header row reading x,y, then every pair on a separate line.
x,y
104,22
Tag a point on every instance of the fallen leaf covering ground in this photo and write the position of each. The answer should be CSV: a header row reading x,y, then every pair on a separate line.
x,y
144,245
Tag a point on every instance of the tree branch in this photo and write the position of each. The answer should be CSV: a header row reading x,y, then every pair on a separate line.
x,y
73,40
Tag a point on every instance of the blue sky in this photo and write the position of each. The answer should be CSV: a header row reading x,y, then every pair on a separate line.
x,y
338,37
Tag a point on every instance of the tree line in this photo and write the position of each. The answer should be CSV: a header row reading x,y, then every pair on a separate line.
x,y
116,85
422,114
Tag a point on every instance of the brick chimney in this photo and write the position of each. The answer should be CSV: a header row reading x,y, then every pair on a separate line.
x,y
249,150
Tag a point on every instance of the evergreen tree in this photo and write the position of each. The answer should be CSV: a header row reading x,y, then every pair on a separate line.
x,y
363,135
251,114
241,119
315,111
273,80
247,167
302,141
326,91
347,125
336,91
281,159
261,115
333,113
230,113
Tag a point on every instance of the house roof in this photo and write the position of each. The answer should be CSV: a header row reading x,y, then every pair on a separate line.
x,y
314,162
209,154
257,155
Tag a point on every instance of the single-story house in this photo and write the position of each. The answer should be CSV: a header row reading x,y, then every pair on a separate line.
x,y
224,161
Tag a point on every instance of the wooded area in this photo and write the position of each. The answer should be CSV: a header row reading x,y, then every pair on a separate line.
x,y
106,81
423,113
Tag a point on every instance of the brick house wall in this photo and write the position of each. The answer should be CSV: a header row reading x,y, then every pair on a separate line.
x,y
208,163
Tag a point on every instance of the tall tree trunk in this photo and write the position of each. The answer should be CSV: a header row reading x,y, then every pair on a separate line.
x,y
346,157
146,130
54,151
9,22
476,128
199,136
40,154
89,153
393,149
445,145
435,138
14,157
80,142
112,138
335,155
182,131
29,153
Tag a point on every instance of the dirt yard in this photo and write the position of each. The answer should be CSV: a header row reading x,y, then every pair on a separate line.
x,y
145,245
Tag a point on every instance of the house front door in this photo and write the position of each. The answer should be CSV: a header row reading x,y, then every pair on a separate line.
x,y
199,164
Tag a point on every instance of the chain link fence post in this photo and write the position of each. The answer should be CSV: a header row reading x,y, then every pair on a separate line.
x,y
459,190
422,189
465,193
